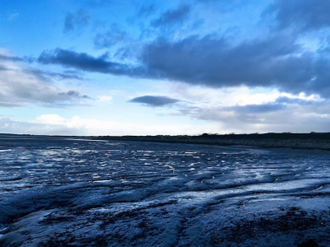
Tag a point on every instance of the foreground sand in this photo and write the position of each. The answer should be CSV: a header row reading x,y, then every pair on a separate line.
x,y
62,191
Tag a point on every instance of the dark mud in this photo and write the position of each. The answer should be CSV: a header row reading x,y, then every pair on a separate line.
x,y
65,192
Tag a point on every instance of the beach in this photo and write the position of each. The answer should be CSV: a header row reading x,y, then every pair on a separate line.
x,y
65,191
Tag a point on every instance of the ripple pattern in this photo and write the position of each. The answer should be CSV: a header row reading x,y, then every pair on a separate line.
x,y
56,191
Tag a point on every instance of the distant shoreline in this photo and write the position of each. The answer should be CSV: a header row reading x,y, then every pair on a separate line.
x,y
320,141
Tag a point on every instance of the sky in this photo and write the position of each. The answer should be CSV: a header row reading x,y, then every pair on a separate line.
x,y
129,67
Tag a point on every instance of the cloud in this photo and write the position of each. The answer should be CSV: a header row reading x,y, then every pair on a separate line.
x,y
13,16
41,74
112,37
262,108
155,101
76,21
275,116
85,62
73,94
297,101
53,124
105,98
173,16
53,119
3,68
50,76
275,61
100,3
281,103
20,85
10,58
306,15
146,11
41,126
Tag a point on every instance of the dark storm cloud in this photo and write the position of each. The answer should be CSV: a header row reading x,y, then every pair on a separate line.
x,y
303,14
154,101
273,60
76,21
171,17
213,62
86,62
276,61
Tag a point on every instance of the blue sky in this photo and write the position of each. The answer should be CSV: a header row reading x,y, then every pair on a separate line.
x,y
98,67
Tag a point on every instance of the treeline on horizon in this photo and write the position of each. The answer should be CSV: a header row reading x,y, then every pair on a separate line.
x,y
254,136
284,135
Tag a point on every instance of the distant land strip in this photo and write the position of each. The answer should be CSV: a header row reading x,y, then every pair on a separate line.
x,y
313,140
269,140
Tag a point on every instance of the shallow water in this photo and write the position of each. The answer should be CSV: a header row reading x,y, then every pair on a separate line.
x,y
57,191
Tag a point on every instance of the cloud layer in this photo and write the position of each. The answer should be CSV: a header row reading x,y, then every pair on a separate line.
x,y
278,58
53,124
304,15
172,16
242,66
285,114
276,61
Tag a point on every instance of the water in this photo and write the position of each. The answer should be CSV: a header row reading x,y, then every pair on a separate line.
x,y
58,191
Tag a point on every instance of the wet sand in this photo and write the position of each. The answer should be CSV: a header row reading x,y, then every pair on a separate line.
x,y
79,192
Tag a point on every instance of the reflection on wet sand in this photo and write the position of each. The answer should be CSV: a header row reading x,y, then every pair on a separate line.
x,y
65,191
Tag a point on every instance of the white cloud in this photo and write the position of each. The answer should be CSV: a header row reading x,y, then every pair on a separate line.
x,y
50,119
53,124
105,98
225,96
20,85
247,110
312,116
